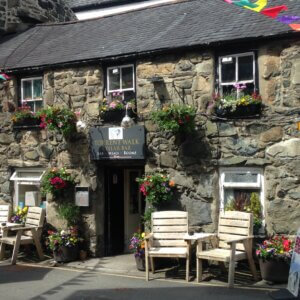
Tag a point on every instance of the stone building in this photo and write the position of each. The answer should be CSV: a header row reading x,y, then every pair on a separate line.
x,y
18,15
176,53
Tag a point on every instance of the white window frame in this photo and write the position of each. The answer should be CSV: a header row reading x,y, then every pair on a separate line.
x,y
25,180
31,79
246,185
121,90
236,56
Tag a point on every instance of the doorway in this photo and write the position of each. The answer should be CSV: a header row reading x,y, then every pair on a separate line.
x,y
124,207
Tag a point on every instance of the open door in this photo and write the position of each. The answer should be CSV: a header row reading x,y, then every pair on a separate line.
x,y
133,205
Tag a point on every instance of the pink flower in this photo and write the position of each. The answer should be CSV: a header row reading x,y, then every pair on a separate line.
x,y
112,105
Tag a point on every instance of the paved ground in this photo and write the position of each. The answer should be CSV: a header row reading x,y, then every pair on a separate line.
x,y
27,282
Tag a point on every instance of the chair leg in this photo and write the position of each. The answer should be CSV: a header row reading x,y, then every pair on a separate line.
x,y
152,265
187,269
248,247
147,267
37,244
16,248
199,269
231,274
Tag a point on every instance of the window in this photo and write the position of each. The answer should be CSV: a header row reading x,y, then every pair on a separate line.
x,y
237,69
120,80
239,185
32,93
27,187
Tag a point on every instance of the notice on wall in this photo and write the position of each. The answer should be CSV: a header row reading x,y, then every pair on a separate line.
x,y
82,196
294,276
113,143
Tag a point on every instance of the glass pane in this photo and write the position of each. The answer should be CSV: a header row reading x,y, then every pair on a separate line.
x,y
127,78
37,89
238,199
241,177
114,79
245,65
27,92
133,193
30,104
38,105
228,69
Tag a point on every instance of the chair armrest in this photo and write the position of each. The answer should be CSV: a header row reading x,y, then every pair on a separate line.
x,y
207,238
239,239
25,228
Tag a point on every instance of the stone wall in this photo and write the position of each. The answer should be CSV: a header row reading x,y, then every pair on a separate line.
x,y
17,15
271,142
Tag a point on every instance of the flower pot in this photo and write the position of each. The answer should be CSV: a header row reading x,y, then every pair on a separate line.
x,y
27,123
116,115
274,270
65,254
140,263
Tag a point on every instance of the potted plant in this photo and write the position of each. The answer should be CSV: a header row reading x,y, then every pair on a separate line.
x,y
237,104
64,244
20,215
55,181
114,110
61,120
175,118
274,256
157,189
137,243
24,117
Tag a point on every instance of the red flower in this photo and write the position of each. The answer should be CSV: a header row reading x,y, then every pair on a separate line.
x,y
286,245
180,122
58,183
143,190
187,118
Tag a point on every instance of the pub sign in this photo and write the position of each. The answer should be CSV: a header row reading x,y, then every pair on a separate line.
x,y
112,143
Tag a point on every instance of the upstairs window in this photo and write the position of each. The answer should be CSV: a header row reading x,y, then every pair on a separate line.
x,y
32,93
237,69
121,81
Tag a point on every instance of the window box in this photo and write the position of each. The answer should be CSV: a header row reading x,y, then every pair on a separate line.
x,y
27,123
116,115
250,110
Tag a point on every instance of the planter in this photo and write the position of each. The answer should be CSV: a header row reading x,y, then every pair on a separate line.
x,y
66,254
240,112
116,115
140,263
274,270
27,123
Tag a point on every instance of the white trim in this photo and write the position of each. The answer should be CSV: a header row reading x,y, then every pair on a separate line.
x,y
120,84
236,56
31,79
14,176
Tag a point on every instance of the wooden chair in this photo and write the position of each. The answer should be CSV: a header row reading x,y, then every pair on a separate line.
x,y
232,243
5,214
166,239
28,234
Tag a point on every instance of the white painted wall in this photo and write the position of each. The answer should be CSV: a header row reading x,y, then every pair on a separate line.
x,y
95,13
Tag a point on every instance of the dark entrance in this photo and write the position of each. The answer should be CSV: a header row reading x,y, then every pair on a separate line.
x,y
114,211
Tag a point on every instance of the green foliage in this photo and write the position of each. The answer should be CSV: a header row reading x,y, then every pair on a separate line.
x,y
23,113
62,120
69,212
146,219
55,180
175,118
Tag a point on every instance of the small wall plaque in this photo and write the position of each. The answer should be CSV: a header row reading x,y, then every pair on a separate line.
x,y
82,196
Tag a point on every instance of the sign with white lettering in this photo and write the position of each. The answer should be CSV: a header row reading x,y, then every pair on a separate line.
x,y
107,143
294,277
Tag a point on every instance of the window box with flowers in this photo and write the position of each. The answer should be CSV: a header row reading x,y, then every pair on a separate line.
x,y
61,120
55,181
274,257
114,108
175,118
25,118
237,104
64,244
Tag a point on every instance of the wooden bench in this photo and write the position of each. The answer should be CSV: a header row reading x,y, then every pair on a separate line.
x,y
166,239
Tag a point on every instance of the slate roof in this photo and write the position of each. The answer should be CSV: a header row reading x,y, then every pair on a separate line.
x,y
78,5
190,23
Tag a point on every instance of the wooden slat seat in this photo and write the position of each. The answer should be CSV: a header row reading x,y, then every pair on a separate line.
x,y
28,234
233,243
166,239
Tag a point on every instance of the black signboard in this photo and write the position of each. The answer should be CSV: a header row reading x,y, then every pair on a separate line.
x,y
117,143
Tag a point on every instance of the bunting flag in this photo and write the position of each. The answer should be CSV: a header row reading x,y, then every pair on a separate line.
x,y
244,3
288,19
273,12
259,5
4,77
295,27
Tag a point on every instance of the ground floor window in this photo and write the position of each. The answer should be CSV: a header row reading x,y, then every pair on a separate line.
x,y
27,187
242,189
